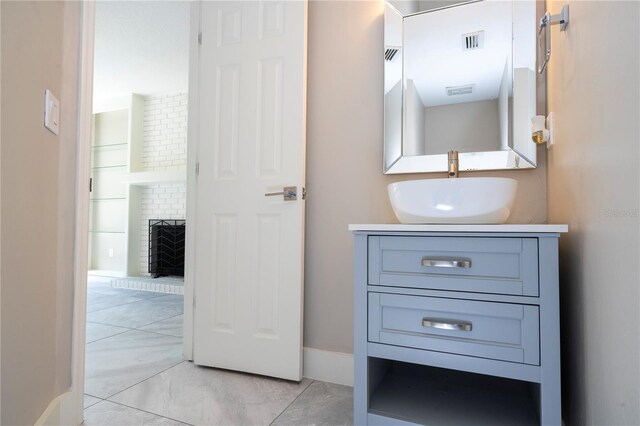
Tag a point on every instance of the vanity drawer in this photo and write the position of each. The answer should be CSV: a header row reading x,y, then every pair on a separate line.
x,y
472,264
502,331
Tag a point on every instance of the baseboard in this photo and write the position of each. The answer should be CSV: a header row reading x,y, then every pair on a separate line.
x,y
327,366
57,412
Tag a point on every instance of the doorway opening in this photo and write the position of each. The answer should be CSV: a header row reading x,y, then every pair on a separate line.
x,y
240,53
135,297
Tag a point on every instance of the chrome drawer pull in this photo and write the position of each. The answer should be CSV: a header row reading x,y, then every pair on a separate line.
x,y
438,262
445,324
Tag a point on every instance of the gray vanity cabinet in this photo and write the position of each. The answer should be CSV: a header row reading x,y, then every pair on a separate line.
x,y
456,327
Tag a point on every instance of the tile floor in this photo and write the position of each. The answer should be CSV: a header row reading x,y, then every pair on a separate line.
x,y
135,374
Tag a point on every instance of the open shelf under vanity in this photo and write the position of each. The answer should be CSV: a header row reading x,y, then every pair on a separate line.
x,y
428,395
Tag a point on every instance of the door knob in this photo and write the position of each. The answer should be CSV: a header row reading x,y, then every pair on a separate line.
x,y
289,193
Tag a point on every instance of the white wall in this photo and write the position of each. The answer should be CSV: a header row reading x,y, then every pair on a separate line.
x,y
164,144
413,6
108,206
524,107
393,124
393,37
435,4
594,91
39,51
524,77
164,147
406,7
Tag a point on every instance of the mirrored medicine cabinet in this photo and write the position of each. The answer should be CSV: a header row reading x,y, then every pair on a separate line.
x,y
459,76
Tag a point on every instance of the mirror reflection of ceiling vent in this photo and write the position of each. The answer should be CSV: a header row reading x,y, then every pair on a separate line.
x,y
460,90
473,41
390,53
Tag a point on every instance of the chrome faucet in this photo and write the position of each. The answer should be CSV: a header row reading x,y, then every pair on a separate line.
x,y
453,163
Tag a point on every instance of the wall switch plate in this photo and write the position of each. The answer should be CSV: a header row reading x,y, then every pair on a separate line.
x,y
51,112
551,122
110,252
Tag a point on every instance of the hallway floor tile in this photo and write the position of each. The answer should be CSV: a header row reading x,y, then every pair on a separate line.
x,y
136,375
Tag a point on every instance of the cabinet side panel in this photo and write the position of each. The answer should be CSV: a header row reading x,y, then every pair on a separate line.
x,y
550,397
360,330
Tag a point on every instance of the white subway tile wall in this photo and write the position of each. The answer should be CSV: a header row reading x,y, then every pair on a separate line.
x,y
164,147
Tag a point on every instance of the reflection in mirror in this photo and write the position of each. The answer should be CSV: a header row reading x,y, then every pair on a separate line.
x,y
457,83
392,85
465,80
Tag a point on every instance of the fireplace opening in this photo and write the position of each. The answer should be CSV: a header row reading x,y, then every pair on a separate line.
x,y
166,247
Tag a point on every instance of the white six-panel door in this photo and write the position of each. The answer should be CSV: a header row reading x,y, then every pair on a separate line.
x,y
251,141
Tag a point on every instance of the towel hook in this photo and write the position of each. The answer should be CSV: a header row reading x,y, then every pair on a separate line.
x,y
545,24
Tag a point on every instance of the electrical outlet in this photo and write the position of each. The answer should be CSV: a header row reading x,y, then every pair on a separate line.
x,y
110,252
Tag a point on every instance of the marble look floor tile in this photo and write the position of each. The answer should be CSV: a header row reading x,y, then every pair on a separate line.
x,y
171,326
90,400
320,404
107,297
118,362
141,313
97,331
170,298
99,301
208,396
107,413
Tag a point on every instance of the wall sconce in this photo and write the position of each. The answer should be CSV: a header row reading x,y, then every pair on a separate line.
x,y
542,129
545,24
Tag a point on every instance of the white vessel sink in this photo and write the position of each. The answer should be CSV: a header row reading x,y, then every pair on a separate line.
x,y
461,200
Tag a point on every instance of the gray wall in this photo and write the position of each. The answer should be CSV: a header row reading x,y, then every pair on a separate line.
x,y
504,110
413,141
466,127
344,162
393,124
39,47
594,90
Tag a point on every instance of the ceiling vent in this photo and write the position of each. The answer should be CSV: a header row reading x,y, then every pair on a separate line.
x,y
390,53
473,41
460,90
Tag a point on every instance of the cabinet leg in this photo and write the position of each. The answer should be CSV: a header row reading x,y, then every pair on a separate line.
x,y
550,404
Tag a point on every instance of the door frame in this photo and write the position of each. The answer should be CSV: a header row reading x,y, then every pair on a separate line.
x,y
74,411
72,407
193,124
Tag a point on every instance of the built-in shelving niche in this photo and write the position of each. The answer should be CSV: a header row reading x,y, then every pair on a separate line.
x,y
118,178
428,395
115,153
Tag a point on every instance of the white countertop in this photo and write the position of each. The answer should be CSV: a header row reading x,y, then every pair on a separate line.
x,y
509,227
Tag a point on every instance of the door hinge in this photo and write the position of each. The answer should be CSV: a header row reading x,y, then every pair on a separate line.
x,y
197,169
304,193
90,184
200,37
